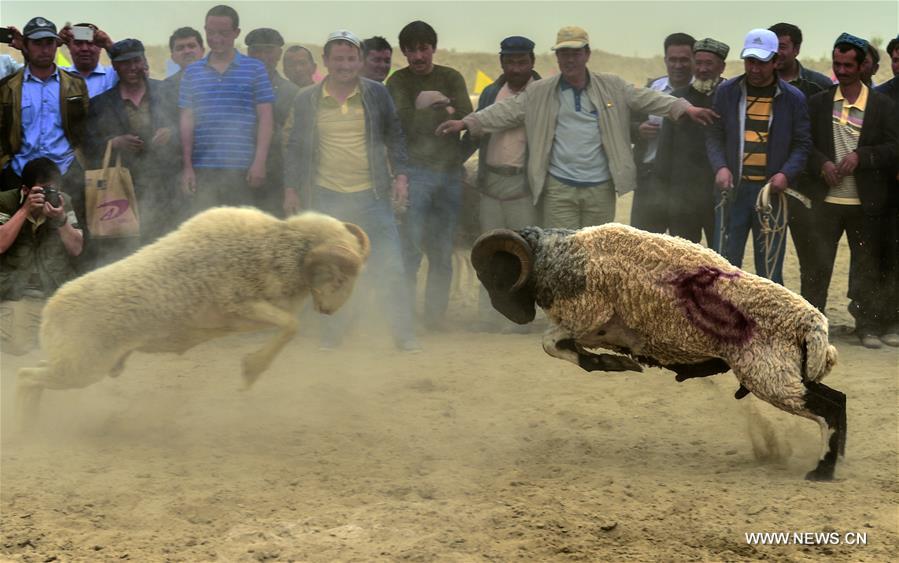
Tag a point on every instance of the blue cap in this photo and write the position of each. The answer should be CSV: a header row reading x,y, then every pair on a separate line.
x,y
849,39
125,50
516,45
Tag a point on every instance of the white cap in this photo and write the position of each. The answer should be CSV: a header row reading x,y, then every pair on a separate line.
x,y
760,44
344,35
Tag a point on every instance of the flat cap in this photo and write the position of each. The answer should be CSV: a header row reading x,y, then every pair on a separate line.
x,y
125,50
264,37
516,45
712,46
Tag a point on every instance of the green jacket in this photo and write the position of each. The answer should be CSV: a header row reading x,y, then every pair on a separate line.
x,y
73,102
38,249
537,108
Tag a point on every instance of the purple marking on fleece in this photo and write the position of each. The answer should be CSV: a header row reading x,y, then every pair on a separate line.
x,y
707,310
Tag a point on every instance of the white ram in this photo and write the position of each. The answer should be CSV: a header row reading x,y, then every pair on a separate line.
x,y
225,270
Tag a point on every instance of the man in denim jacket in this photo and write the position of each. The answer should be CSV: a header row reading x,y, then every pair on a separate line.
x,y
335,163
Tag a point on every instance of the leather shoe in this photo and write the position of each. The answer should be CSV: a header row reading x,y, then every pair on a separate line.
x,y
870,341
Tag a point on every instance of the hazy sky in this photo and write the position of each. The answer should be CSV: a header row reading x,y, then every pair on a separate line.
x,y
627,28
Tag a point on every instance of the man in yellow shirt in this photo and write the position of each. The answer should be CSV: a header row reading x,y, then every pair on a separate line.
x,y
335,163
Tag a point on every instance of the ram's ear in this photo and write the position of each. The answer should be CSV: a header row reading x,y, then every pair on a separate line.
x,y
364,243
344,259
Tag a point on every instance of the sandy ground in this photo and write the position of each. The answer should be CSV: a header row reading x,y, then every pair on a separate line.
x,y
481,448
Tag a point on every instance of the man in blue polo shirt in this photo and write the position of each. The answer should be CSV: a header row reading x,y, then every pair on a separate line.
x,y
226,119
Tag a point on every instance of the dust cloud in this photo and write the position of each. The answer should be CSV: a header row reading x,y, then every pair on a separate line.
x,y
480,448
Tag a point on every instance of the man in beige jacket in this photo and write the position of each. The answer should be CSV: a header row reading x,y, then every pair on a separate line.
x,y
578,133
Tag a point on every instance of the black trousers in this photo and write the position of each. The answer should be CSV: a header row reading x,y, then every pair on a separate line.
x,y
889,266
807,241
863,230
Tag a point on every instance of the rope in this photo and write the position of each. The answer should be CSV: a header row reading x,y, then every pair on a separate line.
x,y
773,226
722,211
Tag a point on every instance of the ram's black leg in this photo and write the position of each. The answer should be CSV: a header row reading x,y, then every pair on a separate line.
x,y
702,369
589,361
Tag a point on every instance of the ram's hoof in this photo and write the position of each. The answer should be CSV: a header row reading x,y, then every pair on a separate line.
x,y
819,474
741,392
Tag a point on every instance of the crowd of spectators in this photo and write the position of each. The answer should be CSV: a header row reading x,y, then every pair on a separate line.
x,y
777,147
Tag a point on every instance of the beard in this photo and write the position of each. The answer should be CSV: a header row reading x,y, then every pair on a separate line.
x,y
707,86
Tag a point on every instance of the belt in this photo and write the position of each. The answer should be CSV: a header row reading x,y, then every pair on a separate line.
x,y
505,170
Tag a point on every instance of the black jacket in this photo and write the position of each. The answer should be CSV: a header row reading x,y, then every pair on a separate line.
x,y
682,174
876,148
108,118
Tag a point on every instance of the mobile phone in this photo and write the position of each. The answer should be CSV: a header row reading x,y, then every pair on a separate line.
x,y
82,33
5,35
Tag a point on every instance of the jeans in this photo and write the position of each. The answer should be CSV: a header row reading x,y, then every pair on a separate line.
x,y
739,217
435,198
384,269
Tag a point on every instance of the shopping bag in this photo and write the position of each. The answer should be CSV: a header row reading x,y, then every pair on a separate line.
x,y
110,202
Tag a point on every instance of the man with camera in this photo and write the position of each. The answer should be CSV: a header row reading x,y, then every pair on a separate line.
x,y
39,239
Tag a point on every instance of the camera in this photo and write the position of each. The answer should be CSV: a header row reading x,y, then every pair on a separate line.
x,y
51,195
5,35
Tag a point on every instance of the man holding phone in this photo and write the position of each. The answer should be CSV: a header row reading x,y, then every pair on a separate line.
x,y
8,65
85,42
32,128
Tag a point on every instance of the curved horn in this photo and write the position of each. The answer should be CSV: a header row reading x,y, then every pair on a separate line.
x,y
503,240
346,259
360,235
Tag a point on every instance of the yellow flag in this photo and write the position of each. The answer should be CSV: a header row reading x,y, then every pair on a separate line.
x,y
481,82
61,60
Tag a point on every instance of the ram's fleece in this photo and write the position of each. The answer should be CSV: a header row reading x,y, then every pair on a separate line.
x,y
223,271
664,301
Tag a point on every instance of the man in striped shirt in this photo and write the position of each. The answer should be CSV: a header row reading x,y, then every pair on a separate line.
x,y
854,135
761,138
226,119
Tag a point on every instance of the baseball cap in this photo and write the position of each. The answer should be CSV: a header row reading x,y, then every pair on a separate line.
x,y
516,45
344,35
712,46
125,50
264,37
760,44
571,37
39,28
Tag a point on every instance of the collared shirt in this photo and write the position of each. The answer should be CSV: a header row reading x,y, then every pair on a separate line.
x,y
224,109
140,122
508,148
101,79
42,132
652,145
578,157
343,154
847,128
